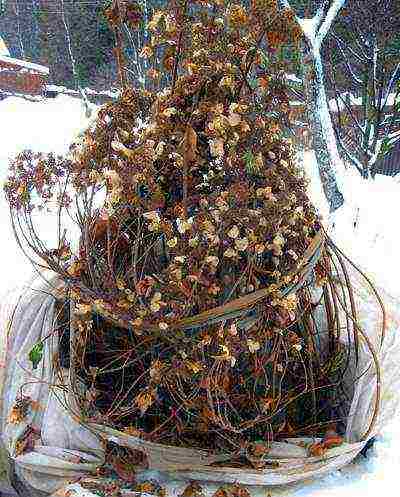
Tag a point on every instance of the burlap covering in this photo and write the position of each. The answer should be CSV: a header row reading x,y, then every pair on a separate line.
x,y
66,451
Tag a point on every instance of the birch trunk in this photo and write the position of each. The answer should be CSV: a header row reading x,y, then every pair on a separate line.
x,y
85,100
323,135
21,44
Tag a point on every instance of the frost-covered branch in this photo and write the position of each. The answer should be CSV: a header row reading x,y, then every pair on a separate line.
x,y
328,21
316,29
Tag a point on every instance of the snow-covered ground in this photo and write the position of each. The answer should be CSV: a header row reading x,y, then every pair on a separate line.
x,y
45,126
367,229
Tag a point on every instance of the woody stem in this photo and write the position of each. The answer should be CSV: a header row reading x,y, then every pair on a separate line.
x,y
119,56
179,47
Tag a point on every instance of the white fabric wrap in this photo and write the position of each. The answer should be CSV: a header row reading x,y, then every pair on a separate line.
x,y
67,451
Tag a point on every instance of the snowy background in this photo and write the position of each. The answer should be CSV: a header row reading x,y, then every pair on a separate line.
x,y
366,229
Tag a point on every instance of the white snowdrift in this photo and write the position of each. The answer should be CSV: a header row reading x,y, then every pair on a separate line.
x,y
45,126
367,227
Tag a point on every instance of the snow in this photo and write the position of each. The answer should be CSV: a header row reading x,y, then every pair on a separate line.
x,y
366,226
3,47
309,27
89,91
293,79
49,125
355,101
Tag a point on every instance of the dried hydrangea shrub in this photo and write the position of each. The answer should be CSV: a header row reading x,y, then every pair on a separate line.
x,y
189,203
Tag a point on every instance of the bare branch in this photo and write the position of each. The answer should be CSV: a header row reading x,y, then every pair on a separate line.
x,y
73,61
355,78
350,157
340,44
393,79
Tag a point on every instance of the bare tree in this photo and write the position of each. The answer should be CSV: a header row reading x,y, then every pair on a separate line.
x,y
366,116
73,61
315,30
21,43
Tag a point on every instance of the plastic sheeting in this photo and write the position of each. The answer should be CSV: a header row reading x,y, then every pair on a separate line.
x,y
52,450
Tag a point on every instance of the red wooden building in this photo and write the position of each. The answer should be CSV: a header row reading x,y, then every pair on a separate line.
x,y
19,76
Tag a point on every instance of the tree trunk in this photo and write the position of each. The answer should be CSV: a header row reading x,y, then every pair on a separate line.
x,y
85,100
323,135
21,44
324,139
